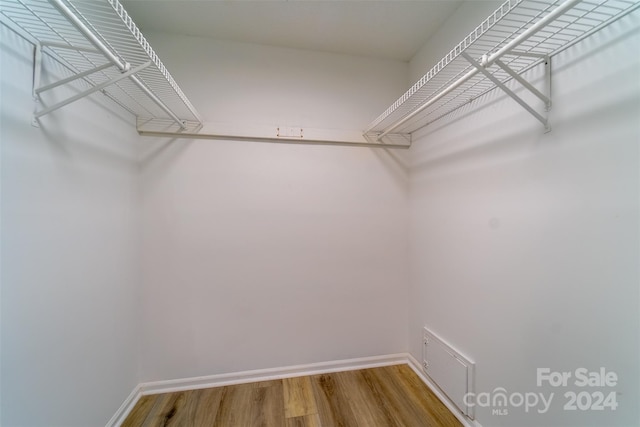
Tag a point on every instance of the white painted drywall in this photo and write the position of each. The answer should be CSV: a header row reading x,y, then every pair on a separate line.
x,y
525,245
69,255
266,255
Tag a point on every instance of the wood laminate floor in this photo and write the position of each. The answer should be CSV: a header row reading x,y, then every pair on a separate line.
x,y
378,397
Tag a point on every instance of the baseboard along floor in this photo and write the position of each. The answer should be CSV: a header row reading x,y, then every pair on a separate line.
x,y
383,396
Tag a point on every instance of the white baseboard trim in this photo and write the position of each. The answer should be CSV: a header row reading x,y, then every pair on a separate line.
x,y
156,387
126,407
417,368
167,386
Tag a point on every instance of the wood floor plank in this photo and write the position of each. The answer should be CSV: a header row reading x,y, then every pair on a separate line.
x,y
202,407
298,397
394,399
268,405
368,407
422,396
235,406
140,411
267,383
166,407
304,421
178,413
381,399
332,403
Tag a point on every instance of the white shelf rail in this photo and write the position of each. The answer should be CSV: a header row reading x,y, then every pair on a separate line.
x,y
519,35
99,44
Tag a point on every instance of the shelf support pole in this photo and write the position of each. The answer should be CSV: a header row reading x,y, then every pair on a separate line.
x,y
37,69
523,82
39,90
57,45
547,77
91,90
506,90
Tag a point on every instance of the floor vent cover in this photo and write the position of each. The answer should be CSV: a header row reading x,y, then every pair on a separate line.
x,y
450,370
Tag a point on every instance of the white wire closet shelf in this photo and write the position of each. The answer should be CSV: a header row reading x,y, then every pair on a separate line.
x,y
517,36
98,43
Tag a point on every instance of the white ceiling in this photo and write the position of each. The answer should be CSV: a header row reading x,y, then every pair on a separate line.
x,y
390,29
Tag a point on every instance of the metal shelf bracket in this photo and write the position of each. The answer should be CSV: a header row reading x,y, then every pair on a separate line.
x,y
483,68
89,91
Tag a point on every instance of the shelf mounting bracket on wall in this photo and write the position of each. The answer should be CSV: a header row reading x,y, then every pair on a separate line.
x,y
39,89
37,69
91,90
483,68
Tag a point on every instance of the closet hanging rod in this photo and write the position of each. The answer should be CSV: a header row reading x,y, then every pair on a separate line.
x,y
488,61
122,65
79,25
301,141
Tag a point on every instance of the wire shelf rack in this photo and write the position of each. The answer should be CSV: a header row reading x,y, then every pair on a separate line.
x,y
440,91
115,45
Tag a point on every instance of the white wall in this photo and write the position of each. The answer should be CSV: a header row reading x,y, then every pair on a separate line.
x,y
69,255
525,245
266,255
